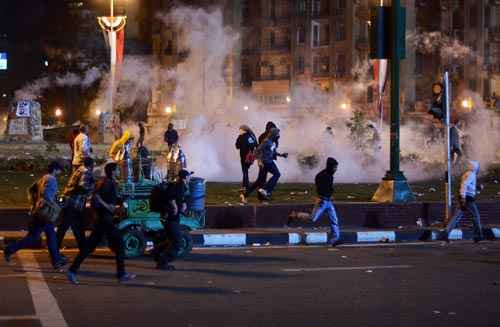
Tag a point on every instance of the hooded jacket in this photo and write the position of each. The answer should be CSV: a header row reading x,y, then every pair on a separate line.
x,y
324,180
468,180
266,151
246,142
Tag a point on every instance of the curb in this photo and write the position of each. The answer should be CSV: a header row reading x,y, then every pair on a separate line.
x,y
307,238
322,238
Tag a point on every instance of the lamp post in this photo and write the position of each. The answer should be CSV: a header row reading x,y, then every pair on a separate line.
x,y
394,186
111,26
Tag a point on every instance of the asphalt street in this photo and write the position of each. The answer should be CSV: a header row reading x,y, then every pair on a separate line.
x,y
425,284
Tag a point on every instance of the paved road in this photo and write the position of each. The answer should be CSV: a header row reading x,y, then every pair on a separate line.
x,y
395,285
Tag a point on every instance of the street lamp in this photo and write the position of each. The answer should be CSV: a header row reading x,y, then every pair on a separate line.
x,y
98,112
343,106
245,108
168,110
58,112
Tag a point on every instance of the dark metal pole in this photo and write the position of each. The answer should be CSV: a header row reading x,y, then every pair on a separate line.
x,y
395,173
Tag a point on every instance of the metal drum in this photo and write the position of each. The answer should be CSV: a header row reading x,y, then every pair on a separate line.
x,y
197,191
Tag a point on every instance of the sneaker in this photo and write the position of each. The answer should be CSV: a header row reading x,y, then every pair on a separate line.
x,y
263,193
61,263
72,278
337,242
126,277
243,199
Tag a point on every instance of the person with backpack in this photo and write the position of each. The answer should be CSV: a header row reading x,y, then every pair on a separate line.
x,y
45,212
246,143
77,191
106,202
174,200
467,202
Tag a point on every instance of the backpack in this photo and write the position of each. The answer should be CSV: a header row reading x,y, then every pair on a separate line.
x,y
158,197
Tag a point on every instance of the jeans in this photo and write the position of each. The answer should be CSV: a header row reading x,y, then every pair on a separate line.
x,y
73,218
34,231
244,169
319,209
170,243
470,206
270,167
259,182
103,228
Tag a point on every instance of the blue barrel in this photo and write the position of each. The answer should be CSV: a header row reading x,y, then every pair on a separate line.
x,y
197,192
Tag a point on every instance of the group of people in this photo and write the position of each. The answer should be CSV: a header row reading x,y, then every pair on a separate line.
x,y
103,195
264,150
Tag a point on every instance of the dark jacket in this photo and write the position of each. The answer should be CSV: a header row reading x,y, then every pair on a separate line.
x,y
79,187
109,192
324,183
246,143
171,136
266,151
178,192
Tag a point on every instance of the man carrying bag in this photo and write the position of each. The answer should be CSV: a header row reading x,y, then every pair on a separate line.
x,y
45,211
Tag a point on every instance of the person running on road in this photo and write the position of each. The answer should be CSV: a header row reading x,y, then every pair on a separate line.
x,y
246,143
175,204
467,202
324,189
106,202
46,191
79,187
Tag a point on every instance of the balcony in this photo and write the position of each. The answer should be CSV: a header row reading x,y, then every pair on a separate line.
x,y
273,77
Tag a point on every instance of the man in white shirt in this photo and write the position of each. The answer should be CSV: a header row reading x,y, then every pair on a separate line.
x,y
81,147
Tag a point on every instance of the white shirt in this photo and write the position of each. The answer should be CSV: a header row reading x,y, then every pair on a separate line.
x,y
81,148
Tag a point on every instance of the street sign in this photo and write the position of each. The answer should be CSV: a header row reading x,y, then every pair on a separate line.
x,y
23,109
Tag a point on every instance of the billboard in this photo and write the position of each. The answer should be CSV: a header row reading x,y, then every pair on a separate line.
x,y
3,60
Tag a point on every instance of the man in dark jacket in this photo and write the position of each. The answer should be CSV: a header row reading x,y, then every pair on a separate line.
x,y
262,176
175,204
266,155
324,188
76,193
107,199
246,143
171,136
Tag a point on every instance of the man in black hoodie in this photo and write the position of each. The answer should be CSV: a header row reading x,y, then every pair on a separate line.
x,y
246,143
324,188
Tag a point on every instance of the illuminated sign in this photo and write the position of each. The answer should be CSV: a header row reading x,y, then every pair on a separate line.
x,y
3,61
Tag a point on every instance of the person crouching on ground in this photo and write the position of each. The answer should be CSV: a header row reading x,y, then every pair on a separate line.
x,y
246,143
175,204
467,202
324,189
46,190
106,202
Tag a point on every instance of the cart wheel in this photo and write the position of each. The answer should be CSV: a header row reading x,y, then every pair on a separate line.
x,y
134,241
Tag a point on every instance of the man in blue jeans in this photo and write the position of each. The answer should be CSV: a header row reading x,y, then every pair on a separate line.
x,y
467,202
266,155
48,190
324,188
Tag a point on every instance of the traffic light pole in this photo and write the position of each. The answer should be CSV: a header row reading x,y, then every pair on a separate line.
x,y
394,186
448,197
